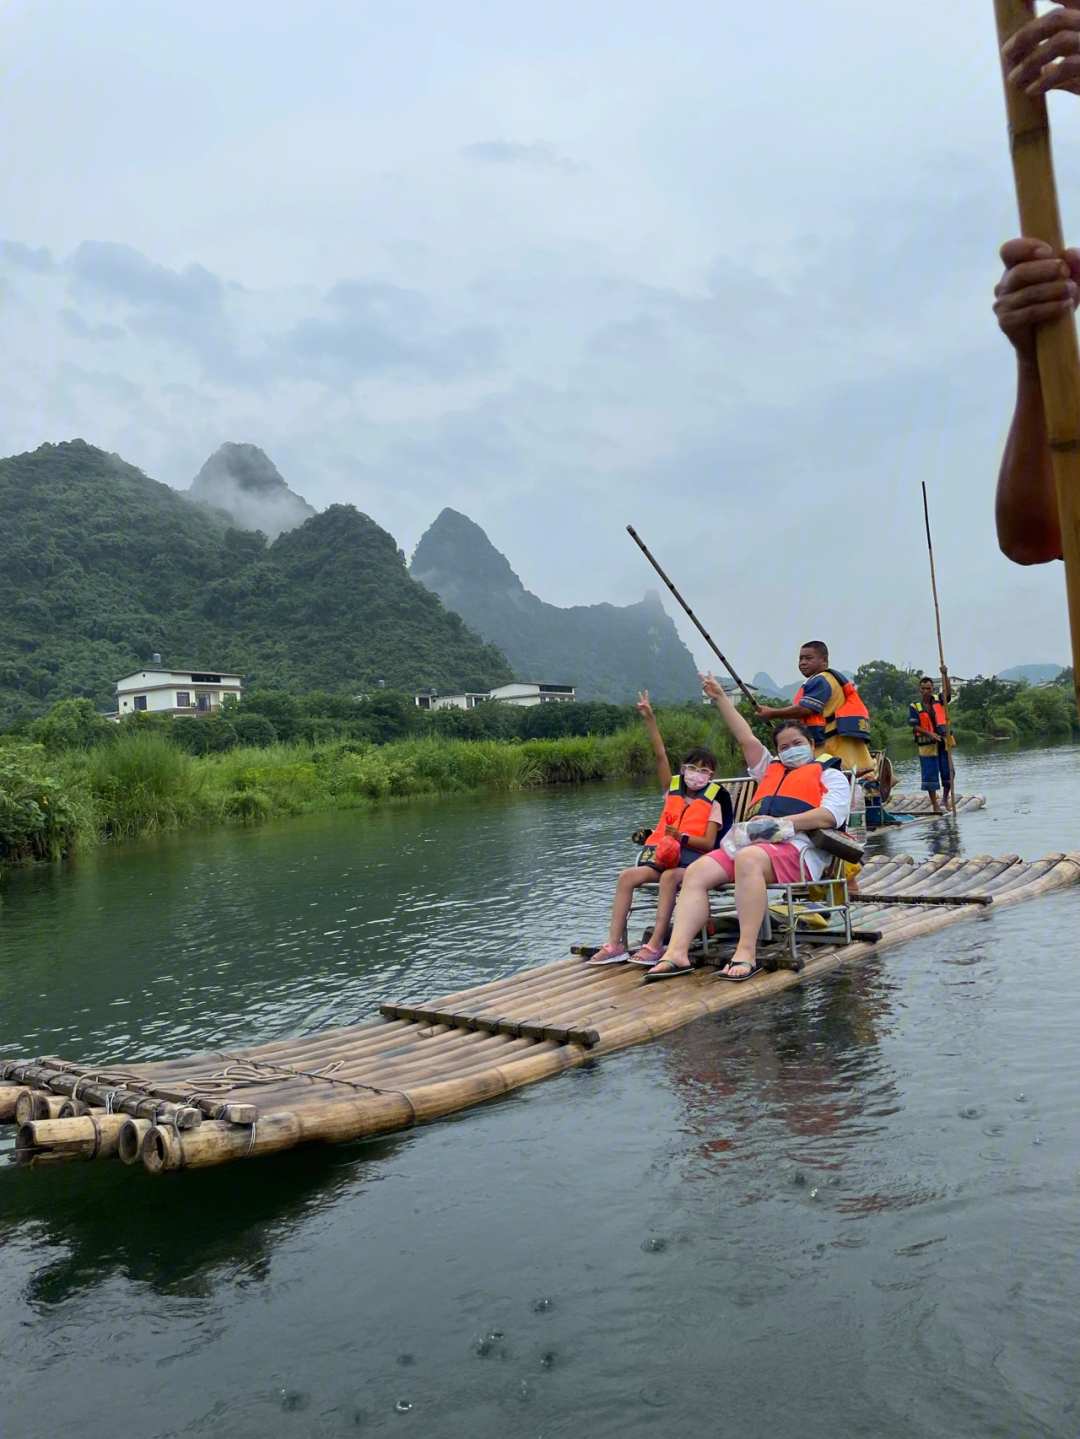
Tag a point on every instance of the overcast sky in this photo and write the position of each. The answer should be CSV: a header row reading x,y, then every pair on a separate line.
x,y
722,271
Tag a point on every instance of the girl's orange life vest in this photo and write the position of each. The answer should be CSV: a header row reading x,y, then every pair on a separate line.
x,y
933,719
782,791
691,816
850,718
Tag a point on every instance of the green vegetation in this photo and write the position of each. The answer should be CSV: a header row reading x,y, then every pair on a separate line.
x,y
100,567
982,709
608,651
993,709
73,789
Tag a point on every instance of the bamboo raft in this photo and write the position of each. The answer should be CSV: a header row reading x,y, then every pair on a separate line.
x,y
918,805
419,1060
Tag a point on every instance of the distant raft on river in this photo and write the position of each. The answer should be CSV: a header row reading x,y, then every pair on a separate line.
x,y
421,1059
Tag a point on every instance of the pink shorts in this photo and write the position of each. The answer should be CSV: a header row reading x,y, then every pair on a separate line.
x,y
785,861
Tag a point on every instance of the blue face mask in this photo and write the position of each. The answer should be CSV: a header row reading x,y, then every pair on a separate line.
x,y
796,755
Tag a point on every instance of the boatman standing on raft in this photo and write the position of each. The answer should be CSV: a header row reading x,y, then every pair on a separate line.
x,y
1036,287
932,732
828,704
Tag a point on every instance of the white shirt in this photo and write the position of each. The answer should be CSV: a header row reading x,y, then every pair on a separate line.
x,y
836,799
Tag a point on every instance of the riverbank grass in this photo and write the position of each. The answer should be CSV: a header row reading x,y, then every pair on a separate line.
x,y
139,783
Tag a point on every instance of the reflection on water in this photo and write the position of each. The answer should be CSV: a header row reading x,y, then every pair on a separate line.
x,y
849,1210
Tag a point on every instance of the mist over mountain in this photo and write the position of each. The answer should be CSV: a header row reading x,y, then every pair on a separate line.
x,y
243,481
101,566
609,652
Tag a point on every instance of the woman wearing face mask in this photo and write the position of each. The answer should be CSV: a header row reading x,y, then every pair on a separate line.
x,y
695,817
793,786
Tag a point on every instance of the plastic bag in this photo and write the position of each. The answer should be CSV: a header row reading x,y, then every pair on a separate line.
x,y
763,830
668,852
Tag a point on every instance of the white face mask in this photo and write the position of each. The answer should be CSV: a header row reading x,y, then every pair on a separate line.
x,y
796,755
696,778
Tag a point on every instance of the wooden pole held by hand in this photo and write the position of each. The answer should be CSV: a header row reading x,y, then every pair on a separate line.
x,y
1056,343
940,650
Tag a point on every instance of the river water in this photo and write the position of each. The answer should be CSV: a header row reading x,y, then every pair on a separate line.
x,y
850,1210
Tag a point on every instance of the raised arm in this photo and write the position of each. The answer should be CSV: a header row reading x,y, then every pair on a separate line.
x,y
663,764
744,736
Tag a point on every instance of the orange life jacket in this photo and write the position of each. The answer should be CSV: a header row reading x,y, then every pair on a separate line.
x,y
782,791
691,816
933,719
850,718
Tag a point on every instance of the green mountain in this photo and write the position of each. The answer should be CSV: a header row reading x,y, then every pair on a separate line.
x,y
609,652
243,481
100,567
1034,674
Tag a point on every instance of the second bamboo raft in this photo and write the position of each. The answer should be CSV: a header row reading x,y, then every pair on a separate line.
x,y
422,1059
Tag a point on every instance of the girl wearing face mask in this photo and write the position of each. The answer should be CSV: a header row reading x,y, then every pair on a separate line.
x,y
695,817
792,785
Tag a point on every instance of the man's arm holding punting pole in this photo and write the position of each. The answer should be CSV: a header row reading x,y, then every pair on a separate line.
x,y
1037,288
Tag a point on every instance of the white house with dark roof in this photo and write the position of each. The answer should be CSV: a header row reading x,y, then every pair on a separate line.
x,y
177,692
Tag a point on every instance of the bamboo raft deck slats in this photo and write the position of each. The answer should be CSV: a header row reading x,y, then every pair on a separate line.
x,y
919,807
422,1059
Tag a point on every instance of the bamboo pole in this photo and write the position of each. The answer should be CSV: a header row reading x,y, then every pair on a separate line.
x,y
941,652
750,700
9,1098
91,1136
130,1138
1056,344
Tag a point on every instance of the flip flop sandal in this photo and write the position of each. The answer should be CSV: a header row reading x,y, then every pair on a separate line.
x,y
674,971
606,955
740,978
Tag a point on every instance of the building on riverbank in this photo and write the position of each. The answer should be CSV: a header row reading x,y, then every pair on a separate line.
x,y
519,692
157,690
466,701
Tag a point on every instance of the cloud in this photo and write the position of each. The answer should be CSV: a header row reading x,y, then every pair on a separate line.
x,y
373,328
16,256
75,325
509,152
121,273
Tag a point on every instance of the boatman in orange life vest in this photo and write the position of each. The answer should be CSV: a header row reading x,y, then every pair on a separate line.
x,y
828,704
931,731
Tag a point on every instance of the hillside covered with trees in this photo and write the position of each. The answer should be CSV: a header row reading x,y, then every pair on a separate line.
x,y
609,652
100,567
